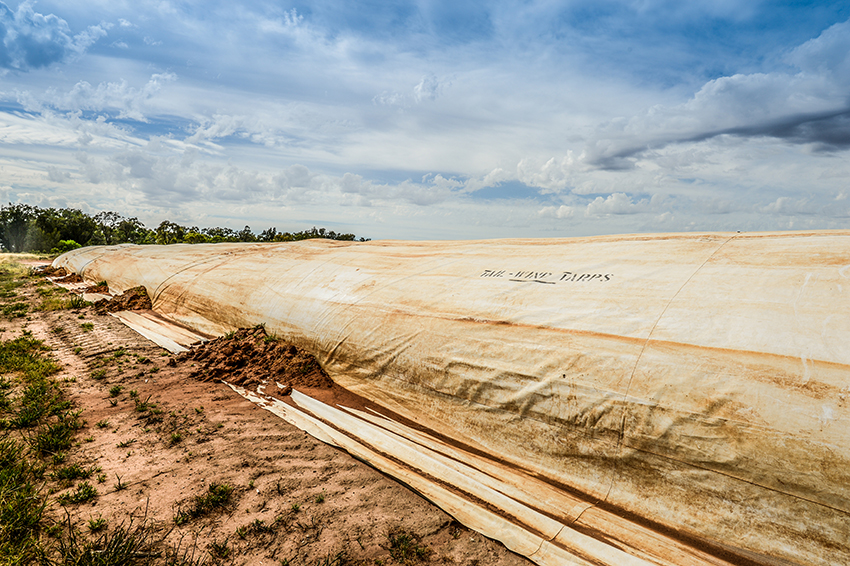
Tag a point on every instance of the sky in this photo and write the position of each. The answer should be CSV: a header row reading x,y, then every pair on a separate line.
x,y
432,119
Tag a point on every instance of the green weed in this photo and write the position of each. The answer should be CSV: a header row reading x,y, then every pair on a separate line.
x,y
51,303
217,496
118,547
73,472
84,492
98,524
15,310
219,549
405,548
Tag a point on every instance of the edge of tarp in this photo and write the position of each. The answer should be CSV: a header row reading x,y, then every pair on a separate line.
x,y
469,487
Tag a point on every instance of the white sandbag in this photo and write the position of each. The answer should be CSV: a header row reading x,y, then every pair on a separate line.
x,y
695,383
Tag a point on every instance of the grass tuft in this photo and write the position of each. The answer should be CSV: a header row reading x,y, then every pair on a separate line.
x,y
217,496
405,548
84,492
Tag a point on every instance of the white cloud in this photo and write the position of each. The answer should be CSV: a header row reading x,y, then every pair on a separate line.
x,y
427,89
282,25
389,98
617,203
56,175
562,211
31,40
128,101
278,111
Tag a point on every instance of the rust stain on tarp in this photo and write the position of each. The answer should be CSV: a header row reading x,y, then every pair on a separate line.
x,y
697,381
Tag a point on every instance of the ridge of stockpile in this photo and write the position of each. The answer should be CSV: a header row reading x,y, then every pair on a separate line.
x,y
130,300
250,356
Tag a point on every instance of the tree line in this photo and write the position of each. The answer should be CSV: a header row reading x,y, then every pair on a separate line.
x,y
27,228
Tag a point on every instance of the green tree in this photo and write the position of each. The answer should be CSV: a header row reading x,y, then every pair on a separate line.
x,y
131,230
169,233
117,229
268,235
65,224
15,220
195,236
221,234
246,235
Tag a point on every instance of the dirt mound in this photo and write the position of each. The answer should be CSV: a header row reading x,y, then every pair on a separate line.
x,y
102,288
49,271
70,278
130,300
250,356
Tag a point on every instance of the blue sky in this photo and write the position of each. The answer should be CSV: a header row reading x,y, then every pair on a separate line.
x,y
432,119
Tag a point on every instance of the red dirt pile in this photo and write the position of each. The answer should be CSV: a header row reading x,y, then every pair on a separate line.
x,y
102,288
50,271
70,278
249,356
130,300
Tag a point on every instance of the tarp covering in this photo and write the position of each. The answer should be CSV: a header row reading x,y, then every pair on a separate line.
x,y
696,383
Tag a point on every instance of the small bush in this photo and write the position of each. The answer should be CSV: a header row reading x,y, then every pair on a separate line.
x,y
65,246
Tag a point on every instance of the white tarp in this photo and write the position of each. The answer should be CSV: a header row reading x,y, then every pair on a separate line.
x,y
696,383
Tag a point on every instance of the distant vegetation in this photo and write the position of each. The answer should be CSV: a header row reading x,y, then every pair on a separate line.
x,y
25,228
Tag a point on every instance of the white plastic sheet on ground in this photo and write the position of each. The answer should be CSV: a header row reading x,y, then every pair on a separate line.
x,y
689,388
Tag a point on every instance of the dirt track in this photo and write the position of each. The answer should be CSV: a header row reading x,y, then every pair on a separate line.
x,y
162,438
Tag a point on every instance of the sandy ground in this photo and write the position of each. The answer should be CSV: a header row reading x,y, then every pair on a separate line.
x,y
162,438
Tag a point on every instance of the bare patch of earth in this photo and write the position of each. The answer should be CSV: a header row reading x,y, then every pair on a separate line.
x,y
162,442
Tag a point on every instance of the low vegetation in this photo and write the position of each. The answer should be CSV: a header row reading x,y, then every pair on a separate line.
x,y
26,228
217,497
52,490
38,426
